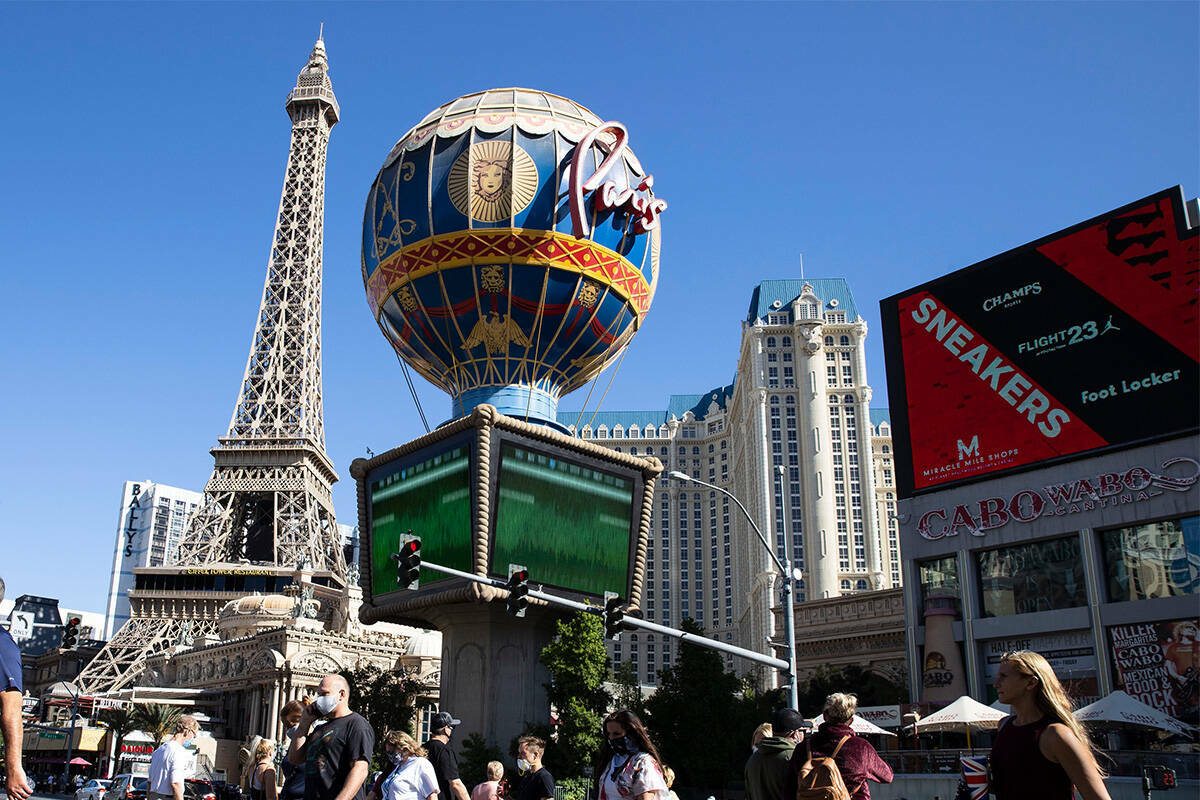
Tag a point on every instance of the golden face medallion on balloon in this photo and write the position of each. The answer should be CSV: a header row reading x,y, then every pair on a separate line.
x,y
491,181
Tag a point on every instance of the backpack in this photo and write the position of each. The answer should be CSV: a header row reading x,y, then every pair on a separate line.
x,y
820,779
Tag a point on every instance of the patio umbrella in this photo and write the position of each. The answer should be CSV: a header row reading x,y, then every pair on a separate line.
x,y
963,714
1120,708
80,762
857,724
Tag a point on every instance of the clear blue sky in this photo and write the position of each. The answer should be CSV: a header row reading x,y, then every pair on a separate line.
x,y
144,147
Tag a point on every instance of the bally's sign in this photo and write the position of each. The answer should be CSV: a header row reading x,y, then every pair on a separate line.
x,y
1086,493
1073,344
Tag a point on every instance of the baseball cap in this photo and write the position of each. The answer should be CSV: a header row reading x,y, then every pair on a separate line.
x,y
786,720
442,719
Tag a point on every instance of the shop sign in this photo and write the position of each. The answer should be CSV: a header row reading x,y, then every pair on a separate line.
x,y
1085,493
883,716
1157,663
130,530
136,749
103,703
1070,653
224,571
638,203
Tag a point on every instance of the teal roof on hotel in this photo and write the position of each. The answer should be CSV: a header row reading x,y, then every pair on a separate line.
x,y
879,415
677,406
786,291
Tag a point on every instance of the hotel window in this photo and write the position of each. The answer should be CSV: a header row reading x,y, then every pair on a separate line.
x,y
1036,576
1159,559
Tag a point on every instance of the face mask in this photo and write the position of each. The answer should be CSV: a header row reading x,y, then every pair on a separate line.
x,y
395,758
325,704
621,745
522,765
292,731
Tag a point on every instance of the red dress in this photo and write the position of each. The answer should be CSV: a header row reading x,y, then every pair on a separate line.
x,y
1018,769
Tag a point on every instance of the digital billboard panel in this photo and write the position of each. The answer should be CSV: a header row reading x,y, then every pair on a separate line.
x,y
429,494
1080,341
570,522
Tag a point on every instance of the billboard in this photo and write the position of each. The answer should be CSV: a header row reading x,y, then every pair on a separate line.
x,y
568,522
428,493
486,491
1081,341
1157,663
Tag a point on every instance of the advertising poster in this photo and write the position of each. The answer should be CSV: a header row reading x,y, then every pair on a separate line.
x,y
1077,342
1072,656
1158,663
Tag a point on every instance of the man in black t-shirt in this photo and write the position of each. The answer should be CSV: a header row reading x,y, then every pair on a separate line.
x,y
536,781
445,763
337,755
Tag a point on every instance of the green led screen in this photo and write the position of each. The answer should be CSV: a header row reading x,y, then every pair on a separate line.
x,y
569,524
431,497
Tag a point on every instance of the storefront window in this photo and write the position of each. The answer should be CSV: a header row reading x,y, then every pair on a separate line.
x,y
1038,576
1161,559
939,579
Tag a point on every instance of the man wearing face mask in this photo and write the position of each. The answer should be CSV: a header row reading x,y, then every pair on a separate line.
x,y
445,763
536,781
173,762
337,755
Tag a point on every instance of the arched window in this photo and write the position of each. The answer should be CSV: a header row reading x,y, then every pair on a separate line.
x,y
587,432
791,401
663,451
844,341
848,399
633,451
829,341
774,400
833,399
861,585
845,586
887,449
618,432
787,341
770,341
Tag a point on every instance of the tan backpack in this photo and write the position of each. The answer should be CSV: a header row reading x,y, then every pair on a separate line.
x,y
820,779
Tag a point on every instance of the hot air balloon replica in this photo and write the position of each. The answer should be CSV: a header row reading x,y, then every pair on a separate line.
x,y
510,252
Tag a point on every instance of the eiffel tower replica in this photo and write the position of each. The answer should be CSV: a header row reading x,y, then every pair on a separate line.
x,y
268,507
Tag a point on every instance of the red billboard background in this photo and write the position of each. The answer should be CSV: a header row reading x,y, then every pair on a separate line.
x,y
1084,340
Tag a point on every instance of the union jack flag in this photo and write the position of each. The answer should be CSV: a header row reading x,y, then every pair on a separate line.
x,y
974,771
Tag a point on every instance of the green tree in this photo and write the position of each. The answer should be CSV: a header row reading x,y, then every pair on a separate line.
x,y
472,764
629,690
871,689
156,719
691,714
385,698
578,666
121,722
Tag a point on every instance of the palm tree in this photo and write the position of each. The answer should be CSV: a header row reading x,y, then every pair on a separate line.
x,y
156,719
121,722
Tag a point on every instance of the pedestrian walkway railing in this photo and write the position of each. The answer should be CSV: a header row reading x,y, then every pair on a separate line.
x,y
1120,763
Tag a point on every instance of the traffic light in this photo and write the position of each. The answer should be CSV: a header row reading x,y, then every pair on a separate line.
x,y
70,633
1158,777
518,590
613,615
408,562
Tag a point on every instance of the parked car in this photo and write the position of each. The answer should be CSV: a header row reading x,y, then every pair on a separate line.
x,y
128,787
93,789
194,789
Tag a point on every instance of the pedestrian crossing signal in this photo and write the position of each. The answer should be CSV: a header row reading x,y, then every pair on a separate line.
x,y
518,590
70,633
408,562
614,615
1159,777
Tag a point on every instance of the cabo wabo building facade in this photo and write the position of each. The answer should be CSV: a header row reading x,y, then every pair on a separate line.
x,y
1044,420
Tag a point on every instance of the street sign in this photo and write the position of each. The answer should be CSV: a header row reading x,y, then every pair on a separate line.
x,y
102,703
51,735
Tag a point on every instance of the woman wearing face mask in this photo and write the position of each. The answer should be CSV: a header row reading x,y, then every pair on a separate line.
x,y
293,776
629,768
411,776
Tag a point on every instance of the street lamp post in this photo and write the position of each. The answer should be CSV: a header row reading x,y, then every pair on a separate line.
x,y
785,568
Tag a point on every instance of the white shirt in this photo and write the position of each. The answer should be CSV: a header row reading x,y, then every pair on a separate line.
x,y
171,763
414,779
626,777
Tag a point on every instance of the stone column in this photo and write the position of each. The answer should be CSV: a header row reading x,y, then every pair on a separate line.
x,y
273,712
491,678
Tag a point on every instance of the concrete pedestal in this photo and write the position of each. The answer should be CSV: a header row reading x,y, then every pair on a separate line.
x,y
491,677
